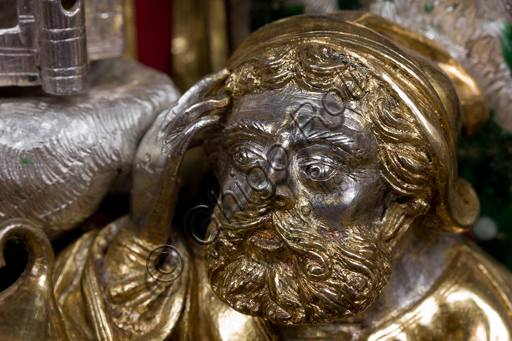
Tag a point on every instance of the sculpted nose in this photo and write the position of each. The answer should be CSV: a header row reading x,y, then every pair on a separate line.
x,y
283,198
281,177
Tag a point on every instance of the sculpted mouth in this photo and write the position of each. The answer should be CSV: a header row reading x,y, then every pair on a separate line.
x,y
247,225
266,238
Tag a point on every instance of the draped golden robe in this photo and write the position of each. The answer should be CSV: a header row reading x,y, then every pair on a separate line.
x,y
471,300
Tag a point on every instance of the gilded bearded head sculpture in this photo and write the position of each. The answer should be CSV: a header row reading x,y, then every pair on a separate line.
x,y
335,142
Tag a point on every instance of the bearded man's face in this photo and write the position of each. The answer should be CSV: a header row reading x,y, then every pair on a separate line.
x,y
302,199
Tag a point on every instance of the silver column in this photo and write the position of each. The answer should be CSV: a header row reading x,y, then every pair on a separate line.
x,y
63,50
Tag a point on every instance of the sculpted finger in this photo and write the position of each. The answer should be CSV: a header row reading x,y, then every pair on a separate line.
x,y
191,114
180,147
196,94
154,220
210,83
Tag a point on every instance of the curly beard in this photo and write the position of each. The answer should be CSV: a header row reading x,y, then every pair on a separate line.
x,y
291,271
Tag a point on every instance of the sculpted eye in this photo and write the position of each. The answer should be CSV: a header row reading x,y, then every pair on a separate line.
x,y
244,157
319,171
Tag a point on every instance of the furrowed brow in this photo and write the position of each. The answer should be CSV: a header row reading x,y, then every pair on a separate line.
x,y
251,129
340,140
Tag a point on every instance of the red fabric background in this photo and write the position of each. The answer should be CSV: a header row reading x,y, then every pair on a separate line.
x,y
153,22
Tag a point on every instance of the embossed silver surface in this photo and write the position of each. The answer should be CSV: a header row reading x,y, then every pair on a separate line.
x,y
18,47
105,28
59,42
471,31
60,155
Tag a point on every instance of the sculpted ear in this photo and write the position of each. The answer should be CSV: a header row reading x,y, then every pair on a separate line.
x,y
398,217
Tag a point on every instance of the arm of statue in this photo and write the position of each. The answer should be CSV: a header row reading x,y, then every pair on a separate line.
x,y
155,182
113,267
158,159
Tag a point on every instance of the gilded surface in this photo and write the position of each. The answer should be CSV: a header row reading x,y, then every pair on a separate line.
x,y
333,142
